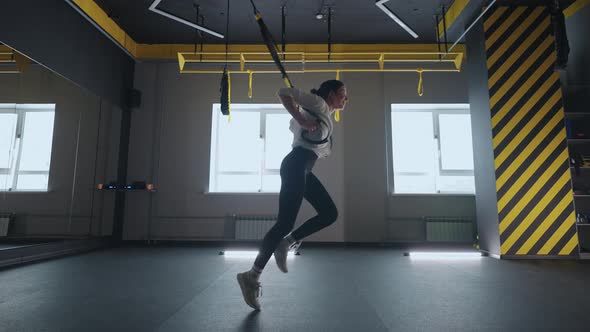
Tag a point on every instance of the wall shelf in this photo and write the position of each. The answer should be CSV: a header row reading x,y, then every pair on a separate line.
x,y
576,114
128,190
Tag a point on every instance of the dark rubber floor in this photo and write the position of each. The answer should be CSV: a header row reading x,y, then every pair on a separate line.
x,y
327,289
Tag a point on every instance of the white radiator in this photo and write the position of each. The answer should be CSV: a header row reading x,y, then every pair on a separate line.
x,y
253,227
449,229
4,221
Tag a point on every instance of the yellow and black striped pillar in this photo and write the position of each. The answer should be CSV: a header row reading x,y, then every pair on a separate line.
x,y
533,179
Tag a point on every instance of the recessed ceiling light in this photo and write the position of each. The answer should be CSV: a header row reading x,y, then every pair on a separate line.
x,y
154,8
444,255
384,8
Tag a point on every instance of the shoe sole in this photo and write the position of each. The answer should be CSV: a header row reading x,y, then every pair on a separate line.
x,y
242,287
279,265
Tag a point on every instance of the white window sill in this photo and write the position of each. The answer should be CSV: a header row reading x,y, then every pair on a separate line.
x,y
24,192
238,193
433,194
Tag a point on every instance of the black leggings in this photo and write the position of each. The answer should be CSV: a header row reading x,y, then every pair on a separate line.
x,y
297,182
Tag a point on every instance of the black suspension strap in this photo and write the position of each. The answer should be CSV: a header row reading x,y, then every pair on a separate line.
x,y
202,39
329,33
225,79
444,19
273,50
283,32
271,45
438,37
227,34
198,32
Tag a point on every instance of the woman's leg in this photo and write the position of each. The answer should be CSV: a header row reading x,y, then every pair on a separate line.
x,y
293,171
293,175
320,199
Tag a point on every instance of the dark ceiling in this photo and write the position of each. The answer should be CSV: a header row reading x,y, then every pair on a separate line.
x,y
353,21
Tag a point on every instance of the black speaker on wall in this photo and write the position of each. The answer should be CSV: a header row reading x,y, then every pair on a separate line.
x,y
133,98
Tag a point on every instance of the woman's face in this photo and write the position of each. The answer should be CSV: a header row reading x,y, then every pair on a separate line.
x,y
338,99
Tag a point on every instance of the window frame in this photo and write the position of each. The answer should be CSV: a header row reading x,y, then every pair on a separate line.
x,y
263,110
21,111
436,109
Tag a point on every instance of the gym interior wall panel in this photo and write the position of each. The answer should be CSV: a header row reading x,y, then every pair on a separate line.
x,y
143,149
44,213
533,179
189,228
58,37
107,169
172,130
483,153
402,229
170,144
407,206
364,158
576,78
577,70
401,88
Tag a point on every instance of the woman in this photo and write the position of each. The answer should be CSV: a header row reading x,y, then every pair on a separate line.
x,y
312,129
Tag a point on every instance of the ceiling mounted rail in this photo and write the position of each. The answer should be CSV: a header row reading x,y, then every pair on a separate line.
x,y
154,8
250,62
381,5
12,62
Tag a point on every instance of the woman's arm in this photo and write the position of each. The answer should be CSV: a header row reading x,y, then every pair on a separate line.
x,y
288,99
292,107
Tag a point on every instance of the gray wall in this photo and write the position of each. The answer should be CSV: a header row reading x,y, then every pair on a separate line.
x,y
575,81
578,25
56,36
70,199
170,146
576,78
483,152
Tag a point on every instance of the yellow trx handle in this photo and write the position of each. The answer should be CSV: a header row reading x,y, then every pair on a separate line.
x,y
287,82
337,114
420,82
250,84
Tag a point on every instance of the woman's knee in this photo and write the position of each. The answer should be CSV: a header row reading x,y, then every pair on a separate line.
x,y
329,215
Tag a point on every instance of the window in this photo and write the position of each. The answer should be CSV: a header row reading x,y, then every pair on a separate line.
x,y
26,135
432,149
246,152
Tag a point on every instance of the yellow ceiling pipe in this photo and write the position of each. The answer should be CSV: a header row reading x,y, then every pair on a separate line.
x,y
398,70
303,58
6,54
8,57
378,58
170,51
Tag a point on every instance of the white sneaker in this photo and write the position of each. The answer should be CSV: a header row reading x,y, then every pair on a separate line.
x,y
295,247
281,255
251,289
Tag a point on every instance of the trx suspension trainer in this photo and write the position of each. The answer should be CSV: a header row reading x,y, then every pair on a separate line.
x,y
273,50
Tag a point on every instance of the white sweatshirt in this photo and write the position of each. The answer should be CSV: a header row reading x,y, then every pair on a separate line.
x,y
318,106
